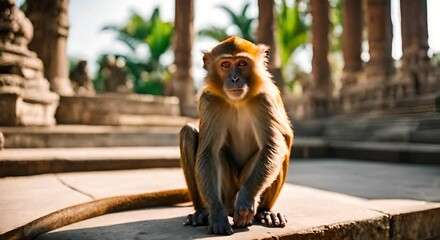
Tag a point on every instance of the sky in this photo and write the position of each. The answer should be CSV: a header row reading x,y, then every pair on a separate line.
x,y
87,41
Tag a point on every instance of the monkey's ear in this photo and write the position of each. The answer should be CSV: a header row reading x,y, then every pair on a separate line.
x,y
264,52
205,59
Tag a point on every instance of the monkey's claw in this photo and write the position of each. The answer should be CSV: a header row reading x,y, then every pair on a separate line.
x,y
271,219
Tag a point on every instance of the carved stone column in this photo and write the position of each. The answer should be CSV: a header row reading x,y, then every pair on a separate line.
x,y
183,41
415,42
51,25
320,87
266,34
414,31
379,38
351,40
25,98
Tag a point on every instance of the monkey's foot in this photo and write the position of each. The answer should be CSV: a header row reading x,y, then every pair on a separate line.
x,y
199,218
219,223
271,219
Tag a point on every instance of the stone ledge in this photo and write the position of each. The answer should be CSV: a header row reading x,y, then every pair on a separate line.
x,y
70,136
19,162
113,109
30,161
387,152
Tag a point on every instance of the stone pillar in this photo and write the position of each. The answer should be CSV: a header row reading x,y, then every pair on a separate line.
x,y
25,98
51,25
379,38
351,40
320,88
415,43
266,34
183,41
414,31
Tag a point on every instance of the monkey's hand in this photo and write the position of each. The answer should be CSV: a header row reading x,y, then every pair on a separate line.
x,y
219,223
199,218
244,209
271,219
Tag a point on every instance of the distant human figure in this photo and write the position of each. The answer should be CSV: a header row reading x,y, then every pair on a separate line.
x,y
81,83
115,75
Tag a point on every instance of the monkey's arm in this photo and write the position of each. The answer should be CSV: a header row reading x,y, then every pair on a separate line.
x,y
273,137
211,138
95,208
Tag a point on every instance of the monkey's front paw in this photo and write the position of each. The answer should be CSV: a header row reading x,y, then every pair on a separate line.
x,y
199,218
219,224
243,217
244,210
271,219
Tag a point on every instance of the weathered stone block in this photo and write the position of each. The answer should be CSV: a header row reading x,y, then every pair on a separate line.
x,y
112,109
17,110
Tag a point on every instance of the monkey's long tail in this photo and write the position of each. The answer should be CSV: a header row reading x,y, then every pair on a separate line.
x,y
95,208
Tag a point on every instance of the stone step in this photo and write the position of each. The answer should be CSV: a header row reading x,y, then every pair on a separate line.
x,y
417,128
414,153
312,213
31,161
74,136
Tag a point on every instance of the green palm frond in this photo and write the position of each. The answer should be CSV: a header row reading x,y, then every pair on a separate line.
x,y
213,32
292,29
238,19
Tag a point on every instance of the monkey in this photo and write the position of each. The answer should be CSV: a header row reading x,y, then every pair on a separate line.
x,y
236,163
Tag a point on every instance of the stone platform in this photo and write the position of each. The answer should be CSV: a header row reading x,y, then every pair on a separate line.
x,y
322,199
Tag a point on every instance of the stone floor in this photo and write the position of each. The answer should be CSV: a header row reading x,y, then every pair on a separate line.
x,y
323,199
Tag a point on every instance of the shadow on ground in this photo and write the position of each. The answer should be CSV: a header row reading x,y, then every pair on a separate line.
x,y
370,180
148,229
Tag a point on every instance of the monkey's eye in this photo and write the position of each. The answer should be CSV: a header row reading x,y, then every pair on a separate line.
x,y
242,64
225,64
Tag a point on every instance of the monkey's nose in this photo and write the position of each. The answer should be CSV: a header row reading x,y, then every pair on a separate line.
x,y
234,79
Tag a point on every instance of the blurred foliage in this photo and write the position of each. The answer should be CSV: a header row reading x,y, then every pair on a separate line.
x,y
436,58
335,16
292,28
148,75
241,23
293,25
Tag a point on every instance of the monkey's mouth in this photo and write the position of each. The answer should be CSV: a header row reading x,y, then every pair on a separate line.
x,y
236,93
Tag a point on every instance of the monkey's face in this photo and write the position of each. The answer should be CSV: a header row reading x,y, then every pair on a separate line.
x,y
235,71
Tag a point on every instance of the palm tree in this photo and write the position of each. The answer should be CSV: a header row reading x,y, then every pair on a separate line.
x,y
243,24
292,29
156,35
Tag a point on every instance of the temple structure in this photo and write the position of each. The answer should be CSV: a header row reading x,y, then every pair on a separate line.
x,y
377,85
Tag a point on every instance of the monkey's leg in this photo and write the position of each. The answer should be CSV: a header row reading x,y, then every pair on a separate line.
x,y
189,137
264,214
